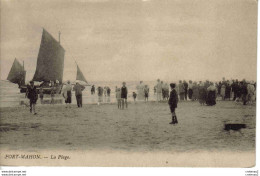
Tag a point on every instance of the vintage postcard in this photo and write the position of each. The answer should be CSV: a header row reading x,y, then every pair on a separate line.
x,y
146,83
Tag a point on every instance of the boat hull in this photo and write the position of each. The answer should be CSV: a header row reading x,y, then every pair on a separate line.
x,y
46,90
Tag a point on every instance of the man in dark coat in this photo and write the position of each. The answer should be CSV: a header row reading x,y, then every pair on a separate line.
x,y
32,95
173,101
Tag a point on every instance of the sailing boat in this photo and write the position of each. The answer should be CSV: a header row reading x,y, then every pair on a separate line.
x,y
81,77
50,63
17,73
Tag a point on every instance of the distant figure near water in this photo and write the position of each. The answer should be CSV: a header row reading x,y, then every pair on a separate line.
x,y
124,95
159,90
134,96
100,94
33,96
173,101
146,93
93,89
118,98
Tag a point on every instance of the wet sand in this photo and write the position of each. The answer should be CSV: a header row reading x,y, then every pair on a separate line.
x,y
143,127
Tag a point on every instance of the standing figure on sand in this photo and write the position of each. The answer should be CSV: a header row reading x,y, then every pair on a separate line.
x,y
93,90
124,92
134,96
100,94
202,94
190,92
118,98
212,92
140,91
173,101
78,93
181,90
159,90
66,92
32,95
146,93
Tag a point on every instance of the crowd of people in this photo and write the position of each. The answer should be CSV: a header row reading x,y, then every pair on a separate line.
x,y
206,93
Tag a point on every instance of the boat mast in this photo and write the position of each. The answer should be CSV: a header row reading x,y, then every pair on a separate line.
x,y
59,36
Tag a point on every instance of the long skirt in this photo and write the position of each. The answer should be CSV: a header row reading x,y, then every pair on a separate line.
x,y
211,99
190,92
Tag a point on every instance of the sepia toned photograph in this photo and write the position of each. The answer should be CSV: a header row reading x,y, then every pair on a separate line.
x,y
143,83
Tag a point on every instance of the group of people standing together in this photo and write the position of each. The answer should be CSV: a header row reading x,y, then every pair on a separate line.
x,y
66,93
101,92
162,90
207,92
237,90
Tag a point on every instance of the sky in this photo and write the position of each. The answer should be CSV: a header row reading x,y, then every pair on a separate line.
x,y
121,40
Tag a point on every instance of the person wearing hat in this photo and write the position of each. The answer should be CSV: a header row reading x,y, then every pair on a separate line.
x,y
173,101
32,95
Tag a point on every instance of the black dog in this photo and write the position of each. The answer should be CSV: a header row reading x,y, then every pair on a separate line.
x,y
235,126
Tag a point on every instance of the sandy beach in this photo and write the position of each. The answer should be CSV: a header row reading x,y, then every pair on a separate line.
x,y
143,127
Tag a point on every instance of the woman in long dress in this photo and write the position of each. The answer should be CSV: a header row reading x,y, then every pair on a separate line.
x,y
66,92
195,90
223,91
211,98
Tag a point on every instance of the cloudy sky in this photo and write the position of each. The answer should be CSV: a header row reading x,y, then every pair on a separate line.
x,y
137,39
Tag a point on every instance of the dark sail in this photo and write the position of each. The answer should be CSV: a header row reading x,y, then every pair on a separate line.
x,y
17,73
50,61
80,75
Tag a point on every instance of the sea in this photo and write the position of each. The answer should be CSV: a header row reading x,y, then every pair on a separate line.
x,y
10,95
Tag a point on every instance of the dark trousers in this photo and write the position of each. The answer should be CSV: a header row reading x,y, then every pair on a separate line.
x,y
185,94
79,100
174,117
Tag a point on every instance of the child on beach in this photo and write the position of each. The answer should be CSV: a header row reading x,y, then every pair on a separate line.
x,y
118,98
146,93
32,95
41,94
134,96
124,95
173,101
